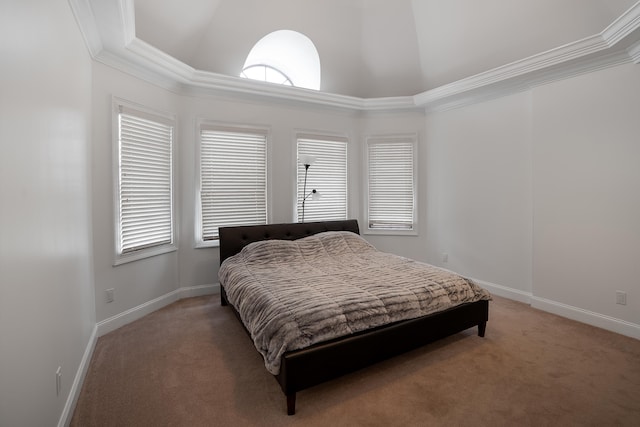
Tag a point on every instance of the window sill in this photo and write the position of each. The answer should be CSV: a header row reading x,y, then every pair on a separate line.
x,y
389,232
203,244
143,253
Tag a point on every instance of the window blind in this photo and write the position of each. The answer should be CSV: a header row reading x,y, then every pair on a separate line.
x,y
145,183
328,175
233,180
391,184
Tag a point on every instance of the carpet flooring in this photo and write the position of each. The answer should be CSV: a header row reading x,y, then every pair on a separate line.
x,y
192,364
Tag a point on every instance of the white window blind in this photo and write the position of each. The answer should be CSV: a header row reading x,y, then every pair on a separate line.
x,y
327,175
391,183
145,201
233,179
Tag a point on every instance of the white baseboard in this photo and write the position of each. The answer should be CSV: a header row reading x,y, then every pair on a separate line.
x,y
585,316
78,380
197,291
114,323
135,313
589,317
503,291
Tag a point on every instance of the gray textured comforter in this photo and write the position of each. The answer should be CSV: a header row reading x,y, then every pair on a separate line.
x,y
292,294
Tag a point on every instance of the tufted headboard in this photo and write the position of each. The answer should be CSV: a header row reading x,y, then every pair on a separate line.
x,y
233,239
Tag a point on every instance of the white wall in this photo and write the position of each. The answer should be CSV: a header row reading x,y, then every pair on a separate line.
x,y
477,199
47,313
538,195
586,192
135,283
138,283
479,191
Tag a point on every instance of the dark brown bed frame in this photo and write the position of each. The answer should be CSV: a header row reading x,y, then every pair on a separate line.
x,y
301,369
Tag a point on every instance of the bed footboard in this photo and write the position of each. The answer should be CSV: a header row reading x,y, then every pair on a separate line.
x,y
322,362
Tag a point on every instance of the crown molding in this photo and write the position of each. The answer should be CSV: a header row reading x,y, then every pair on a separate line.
x,y
144,55
634,52
109,32
622,27
149,63
609,48
469,91
128,12
511,75
226,84
86,20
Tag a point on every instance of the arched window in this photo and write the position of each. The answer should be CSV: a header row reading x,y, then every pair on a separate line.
x,y
285,57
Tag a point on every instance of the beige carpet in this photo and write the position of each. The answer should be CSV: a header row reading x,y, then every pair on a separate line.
x,y
192,364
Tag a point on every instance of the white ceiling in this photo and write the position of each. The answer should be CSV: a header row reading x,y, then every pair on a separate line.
x,y
374,48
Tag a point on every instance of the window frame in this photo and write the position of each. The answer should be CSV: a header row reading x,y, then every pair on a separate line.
x,y
318,136
391,139
122,106
203,124
286,80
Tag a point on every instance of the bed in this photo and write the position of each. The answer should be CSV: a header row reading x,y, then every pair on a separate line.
x,y
315,351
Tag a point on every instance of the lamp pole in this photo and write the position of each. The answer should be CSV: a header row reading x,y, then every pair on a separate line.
x,y
304,188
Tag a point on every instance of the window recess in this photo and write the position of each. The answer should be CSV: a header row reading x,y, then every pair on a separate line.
x,y
391,184
327,175
144,184
232,180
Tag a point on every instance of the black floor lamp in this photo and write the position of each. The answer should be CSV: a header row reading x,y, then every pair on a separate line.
x,y
307,161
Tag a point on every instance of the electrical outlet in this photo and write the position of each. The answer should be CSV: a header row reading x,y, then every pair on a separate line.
x,y
109,294
621,297
58,380
445,257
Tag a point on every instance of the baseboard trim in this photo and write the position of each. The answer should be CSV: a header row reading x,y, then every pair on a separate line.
x,y
119,320
609,323
76,387
197,291
135,313
503,291
589,317
114,323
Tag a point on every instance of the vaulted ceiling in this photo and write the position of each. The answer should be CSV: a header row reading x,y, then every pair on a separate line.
x,y
374,54
375,48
